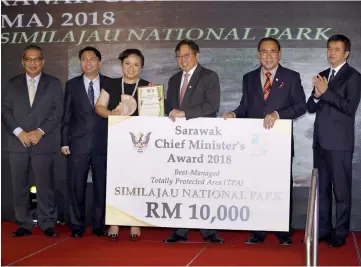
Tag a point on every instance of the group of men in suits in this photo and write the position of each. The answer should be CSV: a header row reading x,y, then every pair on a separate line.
x,y
270,92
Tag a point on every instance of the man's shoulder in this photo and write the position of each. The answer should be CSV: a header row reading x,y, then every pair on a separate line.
x,y
175,75
105,78
289,72
207,71
353,71
16,78
47,78
252,73
74,80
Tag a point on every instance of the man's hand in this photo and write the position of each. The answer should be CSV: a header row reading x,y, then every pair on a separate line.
x,y
320,84
270,120
175,113
317,93
65,150
35,136
24,138
228,115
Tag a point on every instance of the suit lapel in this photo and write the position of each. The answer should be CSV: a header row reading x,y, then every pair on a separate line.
x,y
277,80
24,91
325,73
192,84
257,83
82,93
178,81
40,90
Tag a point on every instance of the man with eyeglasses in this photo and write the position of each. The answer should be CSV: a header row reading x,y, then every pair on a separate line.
x,y
32,108
271,92
192,93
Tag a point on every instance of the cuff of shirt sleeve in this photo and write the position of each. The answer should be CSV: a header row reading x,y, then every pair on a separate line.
x,y
41,131
17,131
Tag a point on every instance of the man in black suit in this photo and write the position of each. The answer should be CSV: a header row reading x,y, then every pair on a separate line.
x,y
31,111
335,98
84,142
192,93
271,92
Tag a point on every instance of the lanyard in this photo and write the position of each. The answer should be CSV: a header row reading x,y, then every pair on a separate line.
x,y
135,88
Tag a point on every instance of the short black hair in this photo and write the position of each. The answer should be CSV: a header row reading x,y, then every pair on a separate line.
x,y
192,44
131,51
33,47
342,38
91,49
266,39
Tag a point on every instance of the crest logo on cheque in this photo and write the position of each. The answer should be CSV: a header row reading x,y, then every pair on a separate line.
x,y
140,142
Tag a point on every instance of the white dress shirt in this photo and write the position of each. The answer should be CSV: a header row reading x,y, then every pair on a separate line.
x,y
96,86
189,77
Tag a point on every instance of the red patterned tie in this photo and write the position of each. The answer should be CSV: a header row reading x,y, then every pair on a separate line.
x,y
267,86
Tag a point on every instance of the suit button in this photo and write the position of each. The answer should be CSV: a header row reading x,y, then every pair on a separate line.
x,y
29,115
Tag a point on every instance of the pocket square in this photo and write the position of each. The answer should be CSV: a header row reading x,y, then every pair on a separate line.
x,y
281,85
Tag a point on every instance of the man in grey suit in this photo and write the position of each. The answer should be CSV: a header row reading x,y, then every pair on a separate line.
x,y
192,93
32,108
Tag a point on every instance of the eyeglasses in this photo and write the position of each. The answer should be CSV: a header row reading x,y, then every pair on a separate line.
x,y
36,60
186,56
265,53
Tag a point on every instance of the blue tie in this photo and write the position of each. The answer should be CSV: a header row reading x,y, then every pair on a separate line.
x,y
91,94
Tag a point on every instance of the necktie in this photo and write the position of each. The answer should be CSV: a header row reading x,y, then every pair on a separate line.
x,y
184,88
31,91
91,94
267,86
332,75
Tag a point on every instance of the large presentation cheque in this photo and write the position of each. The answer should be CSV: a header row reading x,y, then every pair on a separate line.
x,y
201,173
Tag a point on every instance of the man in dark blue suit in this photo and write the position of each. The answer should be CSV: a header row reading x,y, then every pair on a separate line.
x,y
271,92
335,98
84,142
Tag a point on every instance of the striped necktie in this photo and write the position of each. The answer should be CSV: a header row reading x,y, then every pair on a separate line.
x,y
267,86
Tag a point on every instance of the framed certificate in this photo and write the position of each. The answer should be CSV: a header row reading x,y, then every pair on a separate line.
x,y
151,100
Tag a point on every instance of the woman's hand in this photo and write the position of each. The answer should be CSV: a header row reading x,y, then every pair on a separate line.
x,y
116,112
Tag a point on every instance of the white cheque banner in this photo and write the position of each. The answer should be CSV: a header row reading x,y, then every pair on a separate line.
x,y
201,173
